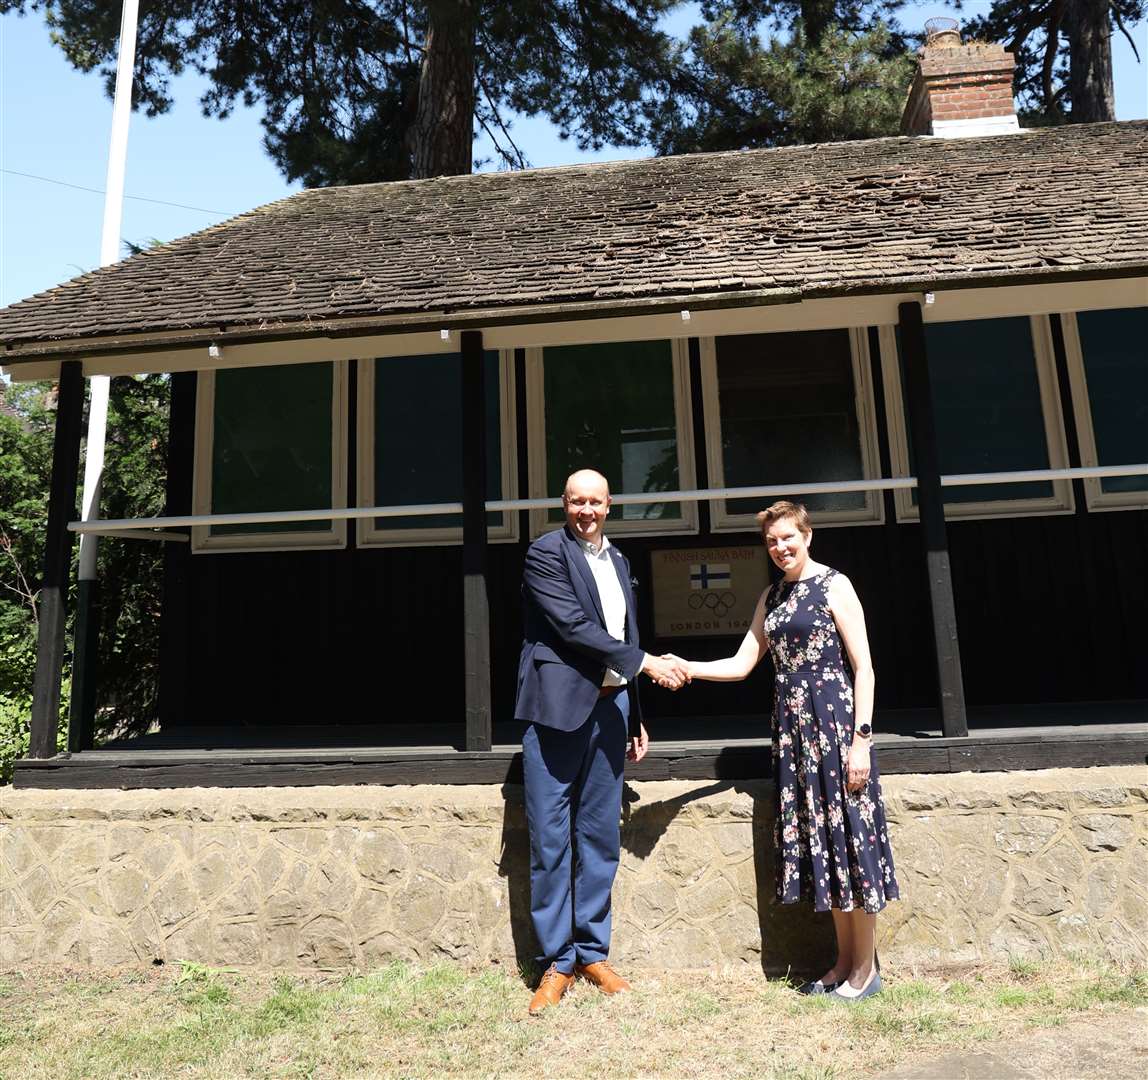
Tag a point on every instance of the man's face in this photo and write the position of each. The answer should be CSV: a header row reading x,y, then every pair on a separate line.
x,y
586,502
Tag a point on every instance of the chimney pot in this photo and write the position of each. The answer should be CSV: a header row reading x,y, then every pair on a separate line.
x,y
942,33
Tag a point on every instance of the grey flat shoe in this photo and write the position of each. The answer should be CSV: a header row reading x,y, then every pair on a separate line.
x,y
817,987
874,987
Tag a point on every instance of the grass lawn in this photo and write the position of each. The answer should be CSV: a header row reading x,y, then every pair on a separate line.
x,y
403,1021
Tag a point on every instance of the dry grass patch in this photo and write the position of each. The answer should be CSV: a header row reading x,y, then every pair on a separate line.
x,y
403,1021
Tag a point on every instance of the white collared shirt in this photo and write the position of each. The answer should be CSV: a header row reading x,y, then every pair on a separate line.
x,y
610,592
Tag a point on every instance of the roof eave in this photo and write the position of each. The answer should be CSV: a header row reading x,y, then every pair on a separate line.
x,y
477,318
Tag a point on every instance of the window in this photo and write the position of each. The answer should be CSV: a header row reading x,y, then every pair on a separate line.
x,y
996,409
623,409
410,444
1108,371
270,438
790,408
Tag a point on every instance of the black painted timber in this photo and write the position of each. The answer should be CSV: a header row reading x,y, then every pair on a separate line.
x,y
175,652
1050,609
53,600
998,751
930,503
85,666
476,599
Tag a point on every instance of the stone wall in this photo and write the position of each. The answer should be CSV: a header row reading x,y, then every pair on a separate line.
x,y
990,865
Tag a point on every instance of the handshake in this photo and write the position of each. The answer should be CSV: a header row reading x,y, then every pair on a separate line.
x,y
669,670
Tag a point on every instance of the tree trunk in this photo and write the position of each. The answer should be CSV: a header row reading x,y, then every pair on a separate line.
x,y
443,134
1089,31
816,17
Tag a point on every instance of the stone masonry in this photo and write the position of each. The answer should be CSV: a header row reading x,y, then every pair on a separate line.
x,y
991,865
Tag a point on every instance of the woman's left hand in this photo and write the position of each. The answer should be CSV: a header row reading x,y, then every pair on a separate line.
x,y
857,766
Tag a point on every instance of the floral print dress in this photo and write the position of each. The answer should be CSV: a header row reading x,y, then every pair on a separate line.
x,y
832,844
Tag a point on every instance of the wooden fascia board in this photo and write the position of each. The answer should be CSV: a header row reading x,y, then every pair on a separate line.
x,y
506,330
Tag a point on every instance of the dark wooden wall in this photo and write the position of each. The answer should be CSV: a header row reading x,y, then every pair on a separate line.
x,y
1050,609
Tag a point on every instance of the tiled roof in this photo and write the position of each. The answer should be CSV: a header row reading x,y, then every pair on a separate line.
x,y
828,219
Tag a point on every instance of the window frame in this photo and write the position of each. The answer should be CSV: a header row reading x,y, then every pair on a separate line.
x,y
1096,498
864,402
367,533
1058,503
202,540
687,524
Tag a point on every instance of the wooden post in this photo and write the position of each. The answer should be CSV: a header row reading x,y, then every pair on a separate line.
x,y
932,512
698,417
85,666
1068,407
476,603
53,602
175,619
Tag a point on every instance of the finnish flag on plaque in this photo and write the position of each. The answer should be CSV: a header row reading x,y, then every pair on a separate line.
x,y
709,575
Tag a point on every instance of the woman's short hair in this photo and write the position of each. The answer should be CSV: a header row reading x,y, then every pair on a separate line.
x,y
782,509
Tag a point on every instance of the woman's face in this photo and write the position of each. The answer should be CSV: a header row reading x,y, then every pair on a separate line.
x,y
787,545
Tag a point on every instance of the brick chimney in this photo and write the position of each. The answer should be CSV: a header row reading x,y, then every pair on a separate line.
x,y
959,90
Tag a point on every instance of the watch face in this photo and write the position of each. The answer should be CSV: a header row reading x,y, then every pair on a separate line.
x,y
864,730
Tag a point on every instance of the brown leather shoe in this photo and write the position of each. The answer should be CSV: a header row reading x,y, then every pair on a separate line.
x,y
550,990
603,976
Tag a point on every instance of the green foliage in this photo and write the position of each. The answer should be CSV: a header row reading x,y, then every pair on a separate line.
x,y
749,92
15,727
190,971
441,1021
338,80
201,987
27,421
130,571
1039,33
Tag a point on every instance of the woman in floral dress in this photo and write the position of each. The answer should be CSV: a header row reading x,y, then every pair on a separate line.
x,y
830,835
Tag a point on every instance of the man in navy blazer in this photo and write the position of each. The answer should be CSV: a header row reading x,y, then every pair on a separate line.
x,y
577,691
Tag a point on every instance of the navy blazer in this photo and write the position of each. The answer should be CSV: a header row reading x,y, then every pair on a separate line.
x,y
566,649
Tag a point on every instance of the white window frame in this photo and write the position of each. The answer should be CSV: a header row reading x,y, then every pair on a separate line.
x,y
335,536
872,513
368,533
1060,502
684,428
1095,496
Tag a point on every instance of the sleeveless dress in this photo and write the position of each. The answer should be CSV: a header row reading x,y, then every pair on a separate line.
x,y
832,845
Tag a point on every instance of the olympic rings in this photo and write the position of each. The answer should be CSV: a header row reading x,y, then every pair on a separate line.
x,y
719,602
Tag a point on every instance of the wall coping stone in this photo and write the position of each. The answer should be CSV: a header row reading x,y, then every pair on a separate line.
x,y
1107,787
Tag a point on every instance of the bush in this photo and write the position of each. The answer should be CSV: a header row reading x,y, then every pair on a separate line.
x,y
15,717
130,572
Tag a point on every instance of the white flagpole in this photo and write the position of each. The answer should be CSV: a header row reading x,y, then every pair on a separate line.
x,y
109,253
82,685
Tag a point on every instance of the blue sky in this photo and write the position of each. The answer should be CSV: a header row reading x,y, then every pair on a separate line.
x,y
54,124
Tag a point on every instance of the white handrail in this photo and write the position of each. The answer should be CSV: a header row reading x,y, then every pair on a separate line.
x,y
111,527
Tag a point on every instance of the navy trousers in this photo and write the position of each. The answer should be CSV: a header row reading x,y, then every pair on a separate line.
x,y
573,785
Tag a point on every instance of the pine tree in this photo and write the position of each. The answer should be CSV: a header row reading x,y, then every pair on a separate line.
x,y
362,90
1064,54
828,70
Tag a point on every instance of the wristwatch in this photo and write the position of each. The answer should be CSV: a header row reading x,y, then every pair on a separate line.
x,y
865,731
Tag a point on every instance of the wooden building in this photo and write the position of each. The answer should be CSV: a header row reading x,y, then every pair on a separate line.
x,y
940,344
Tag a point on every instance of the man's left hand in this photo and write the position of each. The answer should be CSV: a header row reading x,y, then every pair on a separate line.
x,y
639,744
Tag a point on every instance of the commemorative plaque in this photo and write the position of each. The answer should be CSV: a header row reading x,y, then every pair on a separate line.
x,y
707,592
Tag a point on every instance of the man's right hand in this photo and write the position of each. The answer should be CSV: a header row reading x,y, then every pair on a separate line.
x,y
668,671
